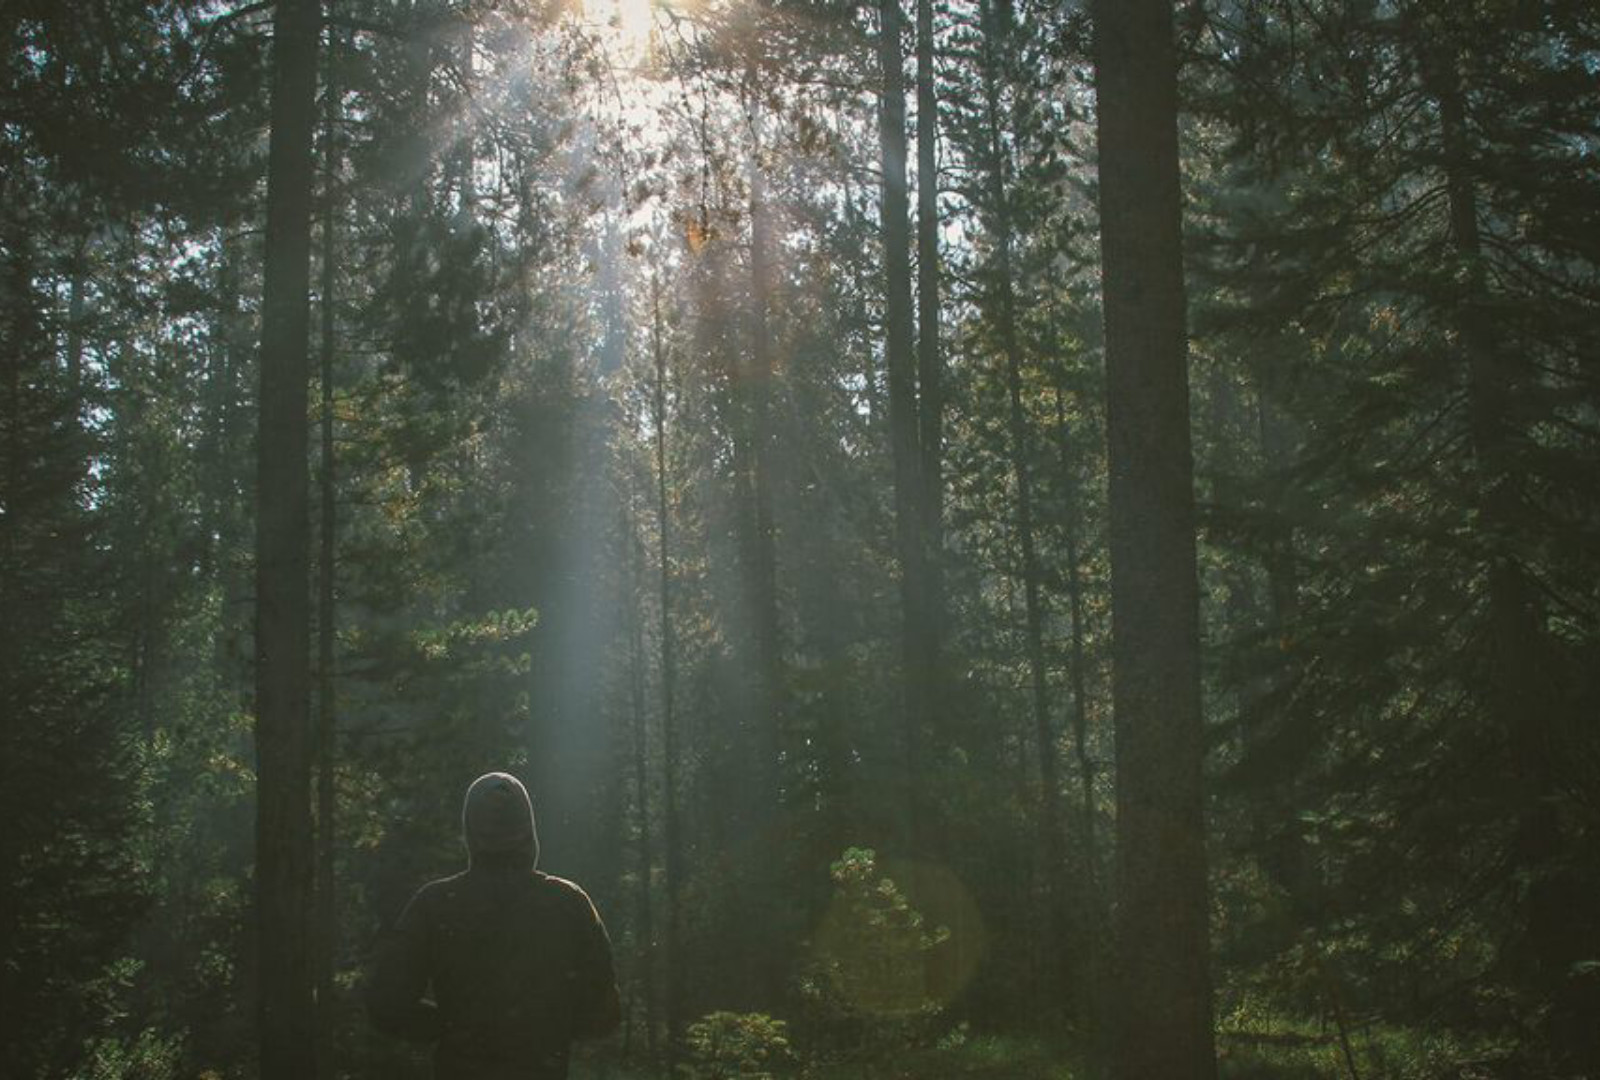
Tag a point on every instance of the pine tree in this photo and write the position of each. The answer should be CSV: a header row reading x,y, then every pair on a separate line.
x,y
284,871
1164,996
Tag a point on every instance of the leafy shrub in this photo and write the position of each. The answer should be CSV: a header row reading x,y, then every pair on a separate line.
x,y
149,1055
865,986
724,1045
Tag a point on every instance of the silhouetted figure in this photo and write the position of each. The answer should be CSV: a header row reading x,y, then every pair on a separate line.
x,y
518,962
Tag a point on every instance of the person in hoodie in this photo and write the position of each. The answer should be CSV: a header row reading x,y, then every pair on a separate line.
x,y
501,966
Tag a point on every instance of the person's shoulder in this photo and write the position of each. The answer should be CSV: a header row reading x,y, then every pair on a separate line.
x,y
436,892
560,885
569,893
443,886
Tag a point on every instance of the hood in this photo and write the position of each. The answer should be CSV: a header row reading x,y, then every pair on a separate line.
x,y
497,819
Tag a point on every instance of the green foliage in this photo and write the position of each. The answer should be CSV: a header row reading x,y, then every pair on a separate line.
x,y
866,985
1262,1045
494,628
70,882
148,1055
874,942
1389,429
727,1046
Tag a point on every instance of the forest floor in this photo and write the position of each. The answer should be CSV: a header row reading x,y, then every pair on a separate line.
x,y
1283,1051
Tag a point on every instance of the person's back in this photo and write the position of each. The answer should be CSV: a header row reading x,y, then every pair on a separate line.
x,y
517,960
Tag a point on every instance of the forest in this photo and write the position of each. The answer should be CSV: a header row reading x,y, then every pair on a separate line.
x,y
1006,539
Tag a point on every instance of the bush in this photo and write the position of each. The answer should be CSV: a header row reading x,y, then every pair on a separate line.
x,y
866,985
147,1056
724,1045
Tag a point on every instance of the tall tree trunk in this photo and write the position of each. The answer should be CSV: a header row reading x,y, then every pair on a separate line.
x,y
930,366
903,435
228,474
763,593
1071,525
641,788
764,555
1164,1003
996,40
672,832
1092,910
284,872
327,909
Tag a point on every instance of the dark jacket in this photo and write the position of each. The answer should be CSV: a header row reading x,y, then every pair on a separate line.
x,y
518,964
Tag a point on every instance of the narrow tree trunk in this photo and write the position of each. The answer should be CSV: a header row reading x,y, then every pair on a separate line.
x,y
227,472
463,159
871,391
646,953
996,37
1077,660
903,424
1092,915
836,784
327,912
1164,1004
284,872
215,463
764,556
763,599
930,366
647,921
672,838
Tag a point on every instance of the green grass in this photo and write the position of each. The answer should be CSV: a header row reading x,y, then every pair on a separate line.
x,y
972,1058
1302,1050
1276,1047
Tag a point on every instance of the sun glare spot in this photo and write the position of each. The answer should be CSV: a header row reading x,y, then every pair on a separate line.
x,y
626,23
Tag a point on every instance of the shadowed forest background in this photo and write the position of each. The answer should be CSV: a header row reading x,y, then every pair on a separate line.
x,y
781,431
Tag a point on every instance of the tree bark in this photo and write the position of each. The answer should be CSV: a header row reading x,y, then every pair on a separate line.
x,y
672,832
1164,991
327,907
639,735
227,475
1019,438
1076,655
767,739
903,424
284,872
930,367
1092,911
